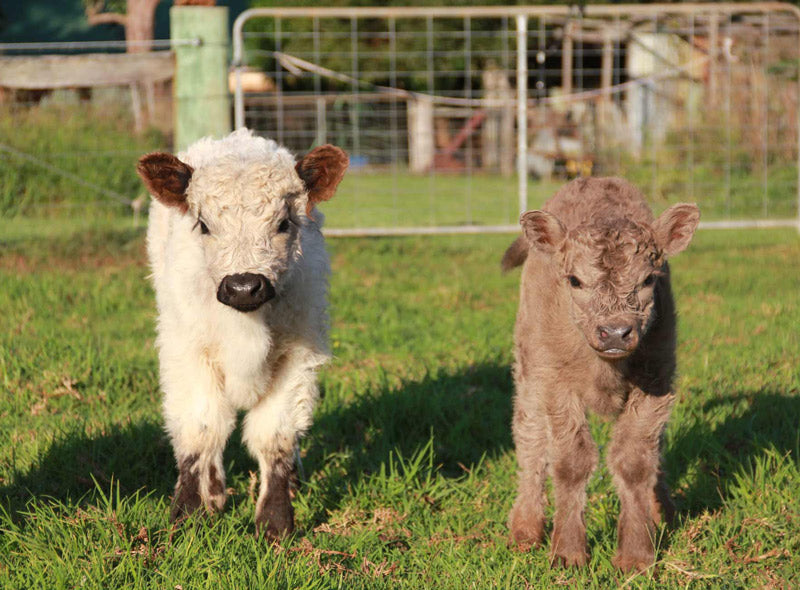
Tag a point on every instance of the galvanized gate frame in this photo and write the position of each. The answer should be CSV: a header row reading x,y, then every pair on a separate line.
x,y
521,14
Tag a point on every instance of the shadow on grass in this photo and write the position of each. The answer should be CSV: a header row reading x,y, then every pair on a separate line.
x,y
135,456
715,451
468,413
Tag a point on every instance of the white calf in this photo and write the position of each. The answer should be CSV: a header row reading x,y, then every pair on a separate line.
x,y
240,274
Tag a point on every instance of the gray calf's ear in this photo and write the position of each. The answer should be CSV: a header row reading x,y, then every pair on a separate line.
x,y
321,171
542,230
675,227
166,177
515,255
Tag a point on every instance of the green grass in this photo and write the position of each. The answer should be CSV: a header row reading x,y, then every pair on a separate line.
x,y
409,465
402,199
62,160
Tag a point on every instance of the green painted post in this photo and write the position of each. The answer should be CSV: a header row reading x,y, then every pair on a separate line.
x,y
202,101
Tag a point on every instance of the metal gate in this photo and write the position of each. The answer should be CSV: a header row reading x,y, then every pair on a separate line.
x,y
458,119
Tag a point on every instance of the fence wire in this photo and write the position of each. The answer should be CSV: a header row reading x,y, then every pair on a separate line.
x,y
694,102
450,127
72,151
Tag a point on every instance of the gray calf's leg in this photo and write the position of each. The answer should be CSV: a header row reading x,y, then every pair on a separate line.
x,y
526,520
573,455
634,461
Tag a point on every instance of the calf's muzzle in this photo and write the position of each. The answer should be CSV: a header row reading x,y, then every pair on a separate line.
x,y
617,339
245,292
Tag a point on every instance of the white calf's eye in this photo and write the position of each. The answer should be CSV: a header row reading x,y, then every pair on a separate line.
x,y
203,226
284,226
574,282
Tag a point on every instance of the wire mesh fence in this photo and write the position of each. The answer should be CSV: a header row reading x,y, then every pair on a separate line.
x,y
455,118
694,102
74,118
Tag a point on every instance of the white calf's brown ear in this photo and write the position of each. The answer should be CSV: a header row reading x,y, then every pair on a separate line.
x,y
166,177
675,227
321,171
542,230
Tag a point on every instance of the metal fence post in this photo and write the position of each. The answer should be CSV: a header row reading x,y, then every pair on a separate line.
x,y
522,112
202,102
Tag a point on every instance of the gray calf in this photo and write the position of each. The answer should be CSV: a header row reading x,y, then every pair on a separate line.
x,y
595,331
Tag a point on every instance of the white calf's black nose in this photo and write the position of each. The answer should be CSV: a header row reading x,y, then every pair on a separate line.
x,y
246,291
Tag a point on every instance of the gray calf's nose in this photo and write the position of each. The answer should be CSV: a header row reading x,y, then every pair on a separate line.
x,y
619,337
245,292
614,332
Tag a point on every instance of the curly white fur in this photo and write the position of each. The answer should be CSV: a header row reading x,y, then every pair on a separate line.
x,y
214,359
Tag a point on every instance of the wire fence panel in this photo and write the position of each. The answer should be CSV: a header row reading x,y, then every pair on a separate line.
x,y
74,119
440,108
456,119
405,96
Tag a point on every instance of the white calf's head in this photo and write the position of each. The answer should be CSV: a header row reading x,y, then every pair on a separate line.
x,y
248,201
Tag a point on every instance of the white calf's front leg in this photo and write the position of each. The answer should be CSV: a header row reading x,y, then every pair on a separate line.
x,y
199,421
271,429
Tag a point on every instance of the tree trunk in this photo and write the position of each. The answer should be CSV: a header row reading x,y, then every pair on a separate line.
x,y
139,24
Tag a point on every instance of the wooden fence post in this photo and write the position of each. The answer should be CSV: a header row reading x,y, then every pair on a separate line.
x,y
421,148
497,131
202,101
566,60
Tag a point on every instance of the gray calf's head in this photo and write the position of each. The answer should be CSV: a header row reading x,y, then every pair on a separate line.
x,y
247,208
611,270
